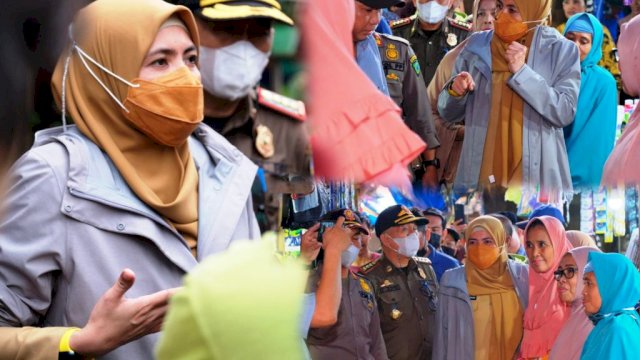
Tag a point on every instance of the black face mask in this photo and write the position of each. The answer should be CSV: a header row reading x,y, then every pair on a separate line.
x,y
434,240
449,251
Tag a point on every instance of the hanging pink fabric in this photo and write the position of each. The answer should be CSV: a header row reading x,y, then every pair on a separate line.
x,y
357,132
622,166
546,313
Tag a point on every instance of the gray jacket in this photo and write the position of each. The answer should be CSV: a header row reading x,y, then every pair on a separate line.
x,y
454,338
71,224
549,84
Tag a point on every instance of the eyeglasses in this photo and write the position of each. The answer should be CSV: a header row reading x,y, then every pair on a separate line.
x,y
568,273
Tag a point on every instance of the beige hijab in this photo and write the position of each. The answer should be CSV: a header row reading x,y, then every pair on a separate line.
x,y
502,156
118,34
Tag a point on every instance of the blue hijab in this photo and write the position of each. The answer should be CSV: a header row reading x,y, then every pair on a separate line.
x,y
593,129
369,61
617,325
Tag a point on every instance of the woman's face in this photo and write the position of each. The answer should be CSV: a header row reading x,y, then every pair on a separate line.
x,y
487,10
171,49
591,294
539,249
567,278
481,237
572,7
582,40
509,7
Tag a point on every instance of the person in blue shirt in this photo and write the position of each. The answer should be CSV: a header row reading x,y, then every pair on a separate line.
x,y
430,236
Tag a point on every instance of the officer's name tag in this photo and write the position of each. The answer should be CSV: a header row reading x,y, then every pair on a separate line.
x,y
391,287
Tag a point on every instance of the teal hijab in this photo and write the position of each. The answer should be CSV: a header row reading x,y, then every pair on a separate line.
x,y
594,126
617,324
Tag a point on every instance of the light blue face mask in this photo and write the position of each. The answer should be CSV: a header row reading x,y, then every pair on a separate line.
x,y
408,246
432,12
349,256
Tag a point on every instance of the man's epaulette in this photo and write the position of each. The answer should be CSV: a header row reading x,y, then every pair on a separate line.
x,y
282,104
402,22
366,268
377,38
459,24
423,260
393,38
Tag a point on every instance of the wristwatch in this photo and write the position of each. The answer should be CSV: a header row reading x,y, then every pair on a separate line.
x,y
435,163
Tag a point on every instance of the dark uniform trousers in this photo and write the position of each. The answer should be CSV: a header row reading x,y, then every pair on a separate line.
x,y
407,302
405,83
267,121
357,333
430,47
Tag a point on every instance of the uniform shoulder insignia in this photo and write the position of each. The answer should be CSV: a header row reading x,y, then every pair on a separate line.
x,y
395,38
378,38
402,22
282,104
459,24
366,268
423,260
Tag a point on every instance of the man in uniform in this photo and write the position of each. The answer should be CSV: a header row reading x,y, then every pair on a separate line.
x,y
405,286
356,334
236,37
402,78
431,33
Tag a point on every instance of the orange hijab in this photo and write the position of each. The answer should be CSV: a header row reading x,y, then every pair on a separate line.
x,y
502,156
117,34
546,313
495,283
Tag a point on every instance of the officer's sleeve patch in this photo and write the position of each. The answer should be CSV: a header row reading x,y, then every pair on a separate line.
x,y
414,64
282,104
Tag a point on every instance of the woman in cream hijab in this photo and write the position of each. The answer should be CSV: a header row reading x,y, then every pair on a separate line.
x,y
482,304
136,183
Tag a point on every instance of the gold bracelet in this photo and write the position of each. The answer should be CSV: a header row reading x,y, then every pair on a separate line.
x,y
452,92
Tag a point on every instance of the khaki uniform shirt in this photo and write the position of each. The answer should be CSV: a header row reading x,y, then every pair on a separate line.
x,y
406,86
407,301
357,333
270,130
431,48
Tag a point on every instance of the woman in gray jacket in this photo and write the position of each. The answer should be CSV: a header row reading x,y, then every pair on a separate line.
x,y
482,304
137,183
516,88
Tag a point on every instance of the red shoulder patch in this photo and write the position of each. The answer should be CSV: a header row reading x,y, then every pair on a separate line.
x,y
282,104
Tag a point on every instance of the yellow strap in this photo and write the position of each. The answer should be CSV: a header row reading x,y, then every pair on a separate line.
x,y
66,337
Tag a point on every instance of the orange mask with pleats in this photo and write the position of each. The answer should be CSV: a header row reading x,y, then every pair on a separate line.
x,y
166,109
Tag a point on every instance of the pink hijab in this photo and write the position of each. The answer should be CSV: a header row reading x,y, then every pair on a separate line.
x,y
621,167
568,345
357,132
546,313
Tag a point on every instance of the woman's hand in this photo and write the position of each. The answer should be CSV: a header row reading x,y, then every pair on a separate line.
x,y
116,320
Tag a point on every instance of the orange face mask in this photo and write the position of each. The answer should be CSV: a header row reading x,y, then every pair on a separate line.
x,y
483,256
166,109
509,29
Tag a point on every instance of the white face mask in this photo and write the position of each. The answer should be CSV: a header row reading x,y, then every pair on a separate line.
x,y
349,256
232,71
409,245
432,12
